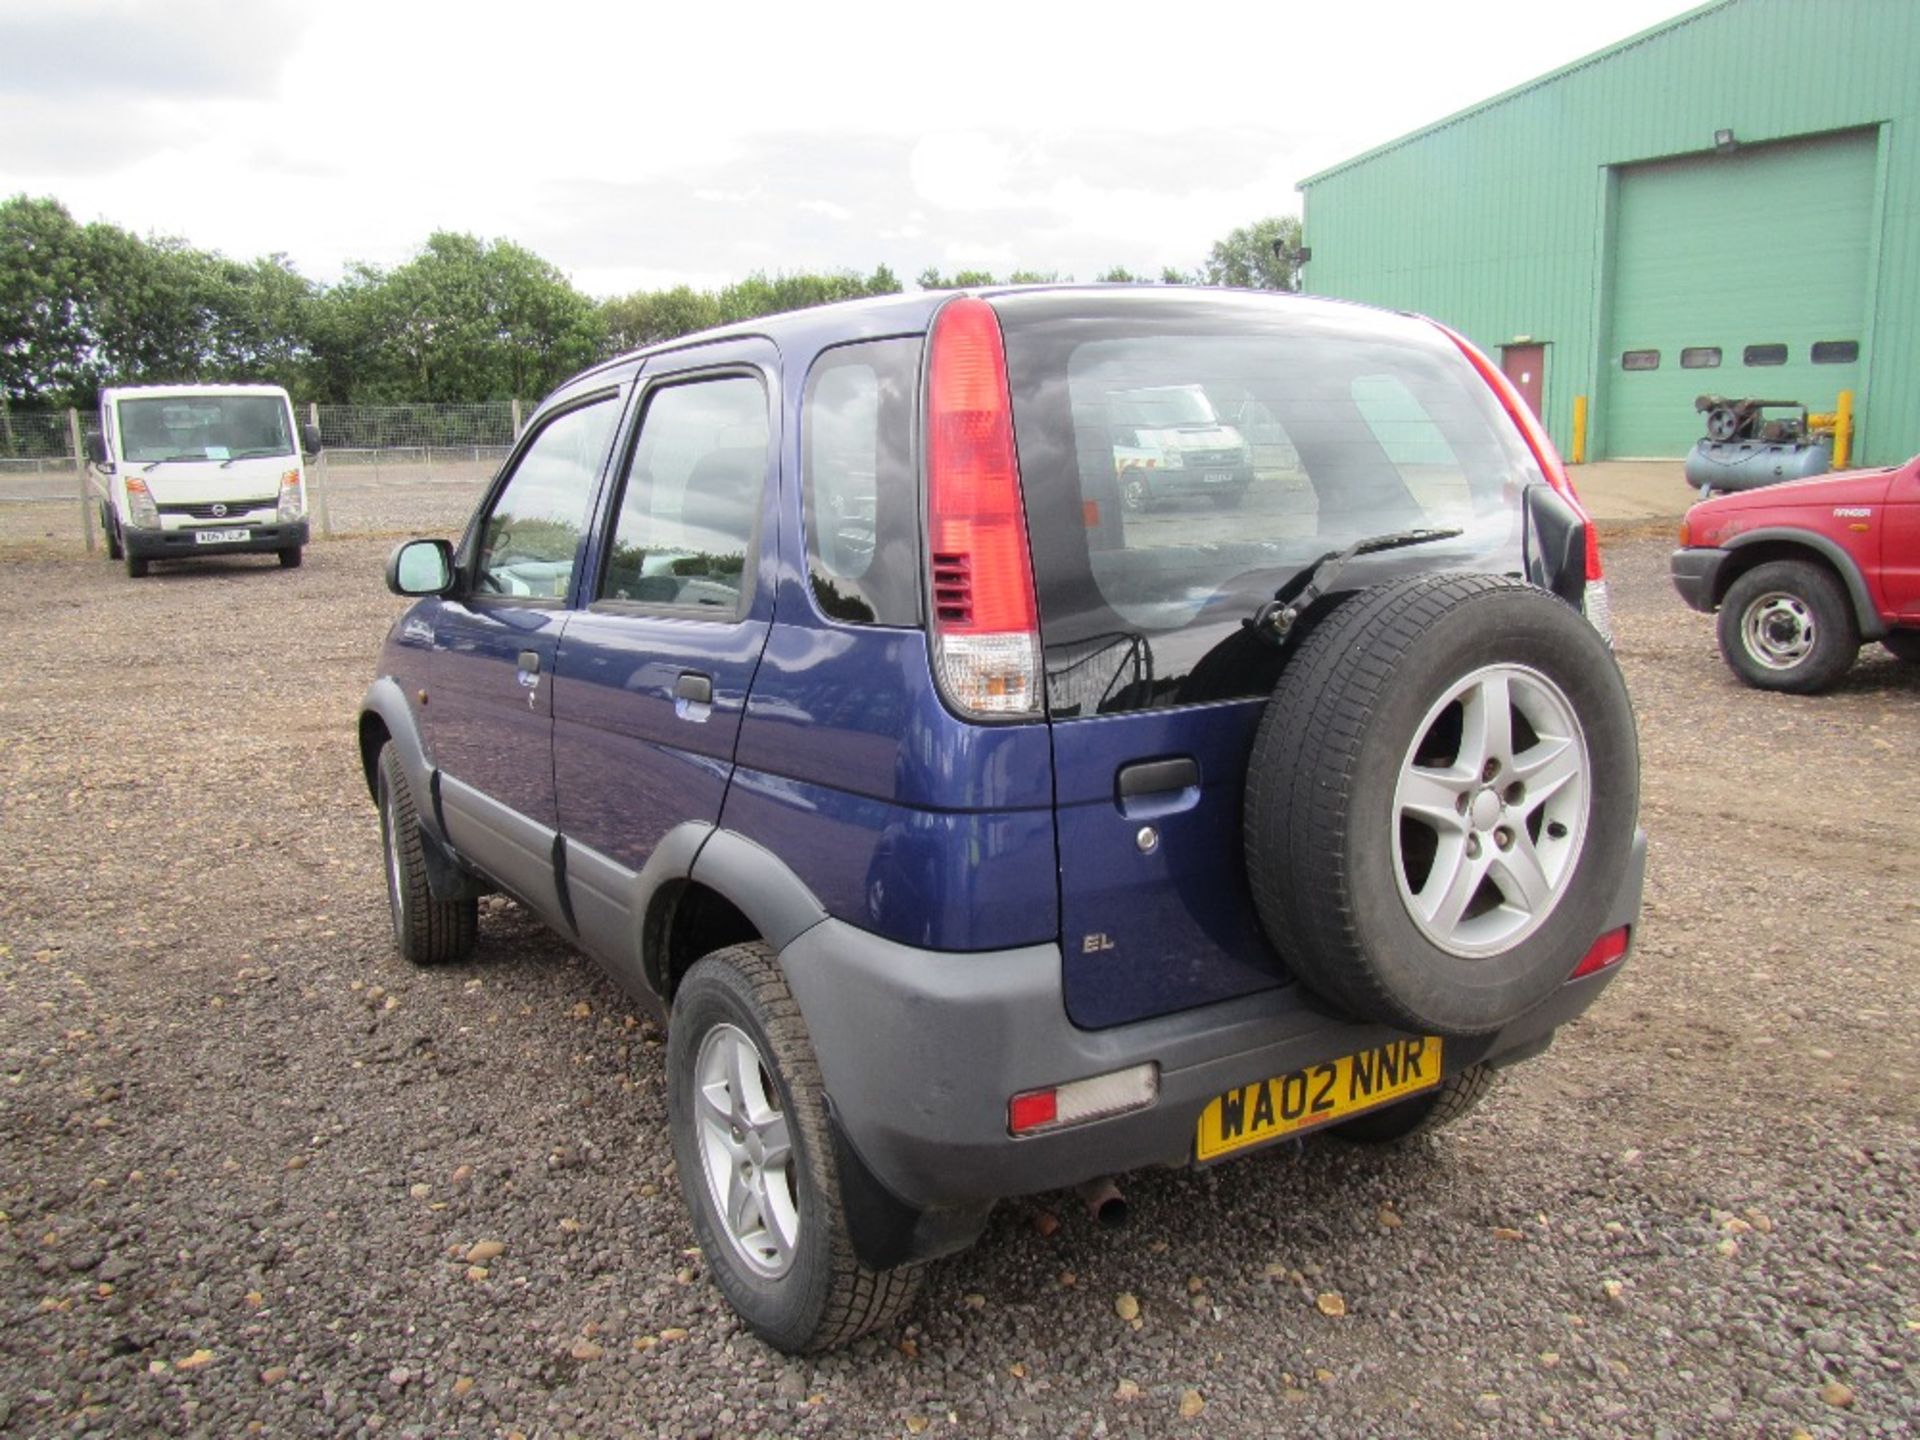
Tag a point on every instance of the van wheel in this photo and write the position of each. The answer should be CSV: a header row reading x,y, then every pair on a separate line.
x,y
426,931
747,1110
136,567
1788,625
111,528
290,559
1441,801
1455,1096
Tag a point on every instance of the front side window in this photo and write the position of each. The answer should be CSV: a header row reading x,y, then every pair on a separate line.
x,y
1180,461
532,535
863,556
691,497
205,427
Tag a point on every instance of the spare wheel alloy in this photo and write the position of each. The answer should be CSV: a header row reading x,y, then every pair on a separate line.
x,y
1441,802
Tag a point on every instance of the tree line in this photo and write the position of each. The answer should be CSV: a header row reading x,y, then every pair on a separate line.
x,y
466,319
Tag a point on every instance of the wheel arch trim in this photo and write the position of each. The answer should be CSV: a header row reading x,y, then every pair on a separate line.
x,y
1866,615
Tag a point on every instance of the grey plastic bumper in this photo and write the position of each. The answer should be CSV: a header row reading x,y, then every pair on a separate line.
x,y
1694,573
921,1051
179,544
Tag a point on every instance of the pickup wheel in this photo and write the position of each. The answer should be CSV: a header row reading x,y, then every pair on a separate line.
x,y
1788,625
747,1110
1902,645
289,558
1441,802
1456,1096
426,931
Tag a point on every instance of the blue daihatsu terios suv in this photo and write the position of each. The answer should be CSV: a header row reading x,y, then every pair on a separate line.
x,y
980,831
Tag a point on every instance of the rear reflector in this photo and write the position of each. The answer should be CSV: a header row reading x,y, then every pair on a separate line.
x,y
1609,949
1034,1112
986,626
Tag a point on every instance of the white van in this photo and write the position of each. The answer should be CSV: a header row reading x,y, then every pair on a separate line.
x,y
200,470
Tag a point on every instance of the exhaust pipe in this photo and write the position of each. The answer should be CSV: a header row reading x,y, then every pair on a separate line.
x,y
1104,1202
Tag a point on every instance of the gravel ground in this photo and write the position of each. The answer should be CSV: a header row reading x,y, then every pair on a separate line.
x,y
245,1154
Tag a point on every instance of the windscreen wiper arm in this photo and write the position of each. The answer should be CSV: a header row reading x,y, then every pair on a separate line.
x,y
1274,621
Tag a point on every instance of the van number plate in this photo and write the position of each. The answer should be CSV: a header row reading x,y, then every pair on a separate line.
x,y
218,537
1288,1104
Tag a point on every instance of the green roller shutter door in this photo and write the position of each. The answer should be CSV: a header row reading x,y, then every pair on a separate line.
x,y
1764,247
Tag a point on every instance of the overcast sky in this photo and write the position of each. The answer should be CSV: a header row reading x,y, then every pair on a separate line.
x,y
643,145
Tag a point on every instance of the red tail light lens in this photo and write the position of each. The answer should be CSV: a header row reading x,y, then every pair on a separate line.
x,y
1598,606
985,621
1609,949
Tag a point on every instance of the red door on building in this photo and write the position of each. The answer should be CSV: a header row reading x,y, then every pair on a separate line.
x,y
1525,365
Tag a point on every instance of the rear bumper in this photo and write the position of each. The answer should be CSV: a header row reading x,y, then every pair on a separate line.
x,y
1694,573
179,544
920,1052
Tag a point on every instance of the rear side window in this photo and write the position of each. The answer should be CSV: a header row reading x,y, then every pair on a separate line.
x,y
857,426
1184,458
691,497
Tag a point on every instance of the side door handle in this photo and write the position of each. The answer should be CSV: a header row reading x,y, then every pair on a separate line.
x,y
1157,777
694,686
530,662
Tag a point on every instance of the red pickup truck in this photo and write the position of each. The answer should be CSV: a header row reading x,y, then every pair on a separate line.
x,y
1803,574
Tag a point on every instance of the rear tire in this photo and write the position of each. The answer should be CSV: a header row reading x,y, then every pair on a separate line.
x,y
1902,645
1230,499
1788,625
290,559
1456,1096
426,931
747,1111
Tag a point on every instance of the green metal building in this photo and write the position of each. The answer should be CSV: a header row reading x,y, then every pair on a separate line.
x,y
1724,204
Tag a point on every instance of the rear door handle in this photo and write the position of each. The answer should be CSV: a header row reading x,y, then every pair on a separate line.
x,y
530,661
694,686
1157,777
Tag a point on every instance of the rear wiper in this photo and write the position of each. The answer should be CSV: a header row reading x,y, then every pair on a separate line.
x,y
1274,621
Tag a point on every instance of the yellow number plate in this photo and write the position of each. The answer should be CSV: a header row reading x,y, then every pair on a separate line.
x,y
1271,1108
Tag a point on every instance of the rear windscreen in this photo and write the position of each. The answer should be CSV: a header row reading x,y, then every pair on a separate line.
x,y
1183,457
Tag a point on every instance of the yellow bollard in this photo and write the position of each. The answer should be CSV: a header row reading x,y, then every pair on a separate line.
x,y
1843,430
1578,453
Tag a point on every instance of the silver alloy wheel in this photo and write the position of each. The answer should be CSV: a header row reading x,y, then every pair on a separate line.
x,y
1778,630
396,883
746,1150
1490,811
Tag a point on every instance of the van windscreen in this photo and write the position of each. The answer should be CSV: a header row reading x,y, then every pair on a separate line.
x,y
1183,458
204,427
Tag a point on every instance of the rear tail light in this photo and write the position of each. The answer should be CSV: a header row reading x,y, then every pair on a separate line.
x,y
1598,606
1609,949
1033,1112
986,628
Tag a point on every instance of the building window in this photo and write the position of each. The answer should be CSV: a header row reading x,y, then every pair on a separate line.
x,y
1835,352
1764,355
1700,357
1640,360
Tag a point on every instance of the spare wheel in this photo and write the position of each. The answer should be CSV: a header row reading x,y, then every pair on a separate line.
x,y
1441,802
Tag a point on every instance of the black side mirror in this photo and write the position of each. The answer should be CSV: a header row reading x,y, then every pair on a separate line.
x,y
309,437
420,567
97,449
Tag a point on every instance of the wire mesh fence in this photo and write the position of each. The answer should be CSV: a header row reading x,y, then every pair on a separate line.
x,y
381,468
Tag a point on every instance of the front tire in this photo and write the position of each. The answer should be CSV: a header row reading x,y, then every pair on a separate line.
x,y
111,527
747,1110
1788,626
136,567
426,931
290,558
